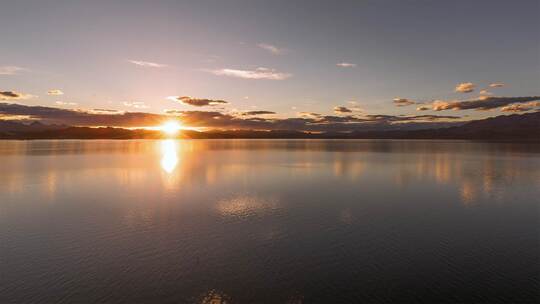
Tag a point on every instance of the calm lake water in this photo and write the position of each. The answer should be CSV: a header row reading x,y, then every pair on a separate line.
x,y
269,221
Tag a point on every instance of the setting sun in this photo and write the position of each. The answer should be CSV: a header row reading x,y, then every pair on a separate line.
x,y
170,127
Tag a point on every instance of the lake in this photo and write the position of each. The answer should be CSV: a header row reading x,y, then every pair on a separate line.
x,y
269,221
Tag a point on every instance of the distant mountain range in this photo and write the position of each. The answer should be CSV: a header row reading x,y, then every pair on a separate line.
x,y
523,127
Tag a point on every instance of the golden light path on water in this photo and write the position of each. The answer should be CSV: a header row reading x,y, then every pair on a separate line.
x,y
169,152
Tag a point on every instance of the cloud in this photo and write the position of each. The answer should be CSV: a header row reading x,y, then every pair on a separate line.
x,y
483,103
12,95
346,65
423,108
63,103
485,92
55,92
521,107
402,102
271,48
219,120
10,70
252,113
258,73
96,117
465,87
341,109
197,102
309,114
136,105
148,64
496,85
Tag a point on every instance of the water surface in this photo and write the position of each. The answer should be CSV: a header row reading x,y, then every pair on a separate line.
x,y
269,221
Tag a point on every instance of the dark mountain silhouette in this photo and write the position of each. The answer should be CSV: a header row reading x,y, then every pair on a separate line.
x,y
510,127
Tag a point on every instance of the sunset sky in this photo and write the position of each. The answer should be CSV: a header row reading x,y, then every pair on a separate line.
x,y
247,60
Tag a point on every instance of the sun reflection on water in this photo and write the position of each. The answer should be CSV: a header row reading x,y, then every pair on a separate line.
x,y
169,152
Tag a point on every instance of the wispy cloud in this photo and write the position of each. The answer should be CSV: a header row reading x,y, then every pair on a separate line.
x,y
10,70
258,73
496,85
55,92
148,64
197,102
465,87
261,112
346,65
136,104
64,103
12,95
271,48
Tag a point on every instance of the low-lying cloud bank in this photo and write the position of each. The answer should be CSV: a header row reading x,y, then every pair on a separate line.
x,y
484,103
218,120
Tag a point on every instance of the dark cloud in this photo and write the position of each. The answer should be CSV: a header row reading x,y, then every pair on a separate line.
x,y
484,103
342,109
253,113
219,120
12,95
197,102
83,118
401,102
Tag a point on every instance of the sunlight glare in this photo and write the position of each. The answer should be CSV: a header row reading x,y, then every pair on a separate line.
x,y
171,127
169,158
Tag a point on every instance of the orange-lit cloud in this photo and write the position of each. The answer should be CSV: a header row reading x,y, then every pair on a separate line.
x,y
483,103
465,87
521,107
55,92
402,102
136,105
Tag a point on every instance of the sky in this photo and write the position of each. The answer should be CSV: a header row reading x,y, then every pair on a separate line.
x,y
357,59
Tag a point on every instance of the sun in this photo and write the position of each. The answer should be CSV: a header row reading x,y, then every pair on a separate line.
x,y
171,127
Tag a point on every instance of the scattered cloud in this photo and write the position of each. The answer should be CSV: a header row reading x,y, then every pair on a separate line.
x,y
148,64
197,102
346,65
253,113
12,95
64,103
258,73
55,92
402,102
341,110
219,120
271,48
496,85
465,87
423,108
136,105
483,103
521,107
485,92
10,70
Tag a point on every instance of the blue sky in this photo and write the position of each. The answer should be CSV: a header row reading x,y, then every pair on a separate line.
x,y
100,53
